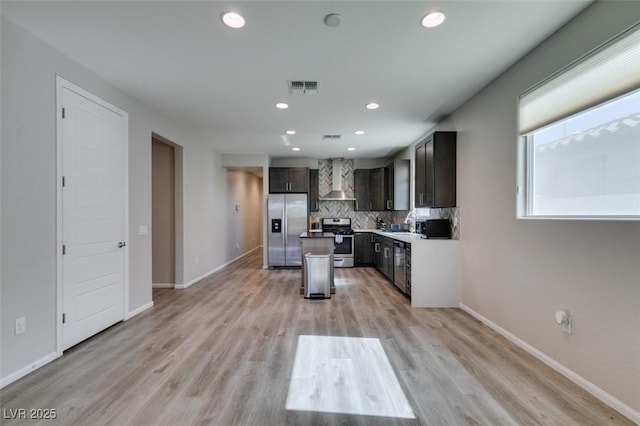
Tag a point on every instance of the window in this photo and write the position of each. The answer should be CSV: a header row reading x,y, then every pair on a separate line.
x,y
579,152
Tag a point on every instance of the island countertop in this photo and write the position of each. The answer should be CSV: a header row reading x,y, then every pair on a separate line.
x,y
317,235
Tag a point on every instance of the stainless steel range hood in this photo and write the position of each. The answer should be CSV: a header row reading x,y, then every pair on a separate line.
x,y
337,192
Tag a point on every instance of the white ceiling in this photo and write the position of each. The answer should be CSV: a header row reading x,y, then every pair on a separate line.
x,y
178,58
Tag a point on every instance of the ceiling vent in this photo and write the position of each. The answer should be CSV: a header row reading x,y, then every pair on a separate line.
x,y
303,87
331,137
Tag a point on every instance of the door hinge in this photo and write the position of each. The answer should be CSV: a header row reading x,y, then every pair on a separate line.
x,y
64,318
63,113
64,182
64,249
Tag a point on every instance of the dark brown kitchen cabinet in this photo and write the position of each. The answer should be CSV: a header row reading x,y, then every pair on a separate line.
x,y
386,258
314,181
370,189
377,252
435,171
362,188
288,179
397,175
383,255
378,189
363,252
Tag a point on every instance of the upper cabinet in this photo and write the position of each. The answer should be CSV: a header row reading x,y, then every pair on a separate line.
x,y
397,185
314,182
369,185
288,179
435,172
378,186
362,189
383,188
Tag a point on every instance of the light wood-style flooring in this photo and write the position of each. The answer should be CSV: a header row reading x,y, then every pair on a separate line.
x,y
222,352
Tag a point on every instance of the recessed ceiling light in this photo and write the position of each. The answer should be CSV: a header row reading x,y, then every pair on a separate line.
x,y
282,105
295,148
432,19
232,19
359,132
351,148
372,105
290,132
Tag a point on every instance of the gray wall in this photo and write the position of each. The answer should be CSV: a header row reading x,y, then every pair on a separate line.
x,y
243,226
28,178
517,273
163,217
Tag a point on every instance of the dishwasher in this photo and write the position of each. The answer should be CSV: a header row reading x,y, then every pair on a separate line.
x,y
399,267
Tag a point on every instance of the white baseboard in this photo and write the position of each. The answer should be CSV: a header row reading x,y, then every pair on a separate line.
x,y
162,285
5,381
54,355
213,271
138,310
594,390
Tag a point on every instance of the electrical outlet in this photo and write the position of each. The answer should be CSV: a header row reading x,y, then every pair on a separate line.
x,y
21,325
197,259
237,247
563,319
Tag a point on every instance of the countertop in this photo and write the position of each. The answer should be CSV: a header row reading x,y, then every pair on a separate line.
x,y
317,235
407,237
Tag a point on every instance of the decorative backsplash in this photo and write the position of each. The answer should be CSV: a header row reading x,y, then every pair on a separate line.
x,y
451,213
367,219
359,219
325,177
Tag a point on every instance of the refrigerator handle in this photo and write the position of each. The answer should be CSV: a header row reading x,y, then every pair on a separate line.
x,y
285,227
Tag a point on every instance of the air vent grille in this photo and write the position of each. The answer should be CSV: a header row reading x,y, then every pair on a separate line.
x,y
300,87
331,137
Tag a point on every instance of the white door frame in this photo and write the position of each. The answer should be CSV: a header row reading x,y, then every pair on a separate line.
x,y
60,84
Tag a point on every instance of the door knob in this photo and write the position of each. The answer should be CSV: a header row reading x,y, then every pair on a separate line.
x,y
121,244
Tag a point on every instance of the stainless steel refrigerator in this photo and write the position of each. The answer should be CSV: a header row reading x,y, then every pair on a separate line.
x,y
287,220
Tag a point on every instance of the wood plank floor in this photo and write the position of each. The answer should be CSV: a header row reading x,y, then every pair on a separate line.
x,y
222,351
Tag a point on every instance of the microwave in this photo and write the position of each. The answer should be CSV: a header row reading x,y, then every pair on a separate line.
x,y
436,228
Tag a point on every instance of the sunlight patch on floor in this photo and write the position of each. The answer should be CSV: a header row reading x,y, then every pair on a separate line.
x,y
348,375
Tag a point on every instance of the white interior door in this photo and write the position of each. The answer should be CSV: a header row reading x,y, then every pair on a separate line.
x,y
94,140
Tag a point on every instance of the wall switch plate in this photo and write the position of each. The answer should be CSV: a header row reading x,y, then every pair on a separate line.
x,y
21,325
197,259
143,230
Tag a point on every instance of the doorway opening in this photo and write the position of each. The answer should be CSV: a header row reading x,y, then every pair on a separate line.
x,y
166,212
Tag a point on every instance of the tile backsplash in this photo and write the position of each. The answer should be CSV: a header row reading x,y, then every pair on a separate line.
x,y
359,219
367,219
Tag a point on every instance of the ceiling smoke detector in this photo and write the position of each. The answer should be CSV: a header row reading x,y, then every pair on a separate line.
x,y
333,20
300,87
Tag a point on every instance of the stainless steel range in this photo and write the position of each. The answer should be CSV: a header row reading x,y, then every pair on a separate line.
x,y
343,242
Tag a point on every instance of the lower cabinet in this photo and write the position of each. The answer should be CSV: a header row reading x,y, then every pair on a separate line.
x,y
431,282
377,251
364,249
387,258
374,250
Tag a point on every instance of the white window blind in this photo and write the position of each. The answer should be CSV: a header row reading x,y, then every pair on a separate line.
x,y
604,74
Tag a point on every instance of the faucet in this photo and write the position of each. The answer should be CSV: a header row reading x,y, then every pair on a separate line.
x,y
411,215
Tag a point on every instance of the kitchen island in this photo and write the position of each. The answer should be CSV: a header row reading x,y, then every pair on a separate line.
x,y
434,269
317,243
